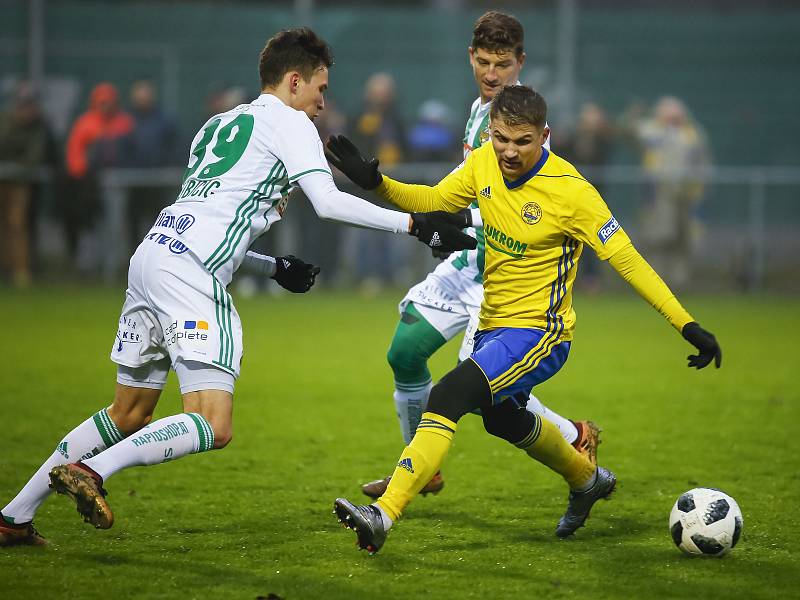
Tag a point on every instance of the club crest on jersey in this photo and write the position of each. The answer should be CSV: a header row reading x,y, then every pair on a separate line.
x,y
531,213
608,229
485,136
486,192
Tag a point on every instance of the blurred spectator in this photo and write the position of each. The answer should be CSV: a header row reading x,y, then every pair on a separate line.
x,y
431,138
151,144
25,140
380,132
589,147
379,129
675,157
94,143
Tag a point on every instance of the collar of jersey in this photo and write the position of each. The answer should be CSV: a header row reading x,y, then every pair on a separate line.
x,y
530,174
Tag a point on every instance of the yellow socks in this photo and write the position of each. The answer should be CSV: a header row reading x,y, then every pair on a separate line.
x,y
418,463
546,444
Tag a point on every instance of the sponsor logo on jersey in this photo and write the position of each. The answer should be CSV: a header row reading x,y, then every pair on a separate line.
x,y
606,231
486,192
192,331
502,242
406,464
175,246
198,187
179,224
531,213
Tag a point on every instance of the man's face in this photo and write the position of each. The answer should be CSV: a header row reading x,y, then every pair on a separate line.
x,y
308,95
517,147
493,70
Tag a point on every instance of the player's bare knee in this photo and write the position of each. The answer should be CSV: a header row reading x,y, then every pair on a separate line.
x,y
222,439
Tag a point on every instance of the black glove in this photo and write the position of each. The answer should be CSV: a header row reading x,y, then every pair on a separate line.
x,y
294,274
705,342
345,156
443,254
442,231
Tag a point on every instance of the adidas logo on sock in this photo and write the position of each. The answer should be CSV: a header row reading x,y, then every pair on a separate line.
x,y
62,449
435,240
486,192
406,464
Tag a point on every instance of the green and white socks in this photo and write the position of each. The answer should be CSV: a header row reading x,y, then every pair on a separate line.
x,y
89,438
160,441
411,400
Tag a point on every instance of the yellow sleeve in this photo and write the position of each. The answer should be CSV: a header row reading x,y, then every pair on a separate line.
x,y
451,194
636,271
586,218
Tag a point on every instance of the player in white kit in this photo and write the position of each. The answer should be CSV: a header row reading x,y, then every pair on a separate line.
x,y
448,301
177,312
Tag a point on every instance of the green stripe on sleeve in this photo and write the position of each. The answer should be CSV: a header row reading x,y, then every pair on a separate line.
x,y
299,175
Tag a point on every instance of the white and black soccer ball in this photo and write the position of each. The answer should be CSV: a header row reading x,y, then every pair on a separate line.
x,y
705,521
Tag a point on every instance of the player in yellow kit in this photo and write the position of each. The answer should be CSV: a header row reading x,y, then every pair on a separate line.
x,y
538,214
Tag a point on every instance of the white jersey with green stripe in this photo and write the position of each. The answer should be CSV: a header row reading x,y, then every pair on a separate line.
x,y
242,167
471,262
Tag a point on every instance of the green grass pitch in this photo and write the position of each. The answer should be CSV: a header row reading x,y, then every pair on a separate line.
x,y
314,418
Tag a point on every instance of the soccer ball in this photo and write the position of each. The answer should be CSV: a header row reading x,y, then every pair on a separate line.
x,y
705,521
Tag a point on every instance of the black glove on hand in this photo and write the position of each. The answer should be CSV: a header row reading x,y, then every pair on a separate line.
x,y
442,231
705,342
294,274
345,156
443,254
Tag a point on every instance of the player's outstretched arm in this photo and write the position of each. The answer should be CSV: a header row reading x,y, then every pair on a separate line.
x,y
449,195
640,275
437,230
289,271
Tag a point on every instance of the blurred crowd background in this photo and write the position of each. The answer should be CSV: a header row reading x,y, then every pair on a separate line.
x,y
683,114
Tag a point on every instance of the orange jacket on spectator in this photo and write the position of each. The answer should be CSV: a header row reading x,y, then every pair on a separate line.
x,y
103,121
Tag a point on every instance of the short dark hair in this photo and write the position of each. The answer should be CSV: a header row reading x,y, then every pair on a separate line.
x,y
297,49
520,105
498,32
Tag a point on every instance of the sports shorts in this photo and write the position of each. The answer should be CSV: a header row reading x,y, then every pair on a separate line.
x,y
450,302
516,359
175,308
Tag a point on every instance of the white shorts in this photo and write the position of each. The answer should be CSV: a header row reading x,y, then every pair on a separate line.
x,y
450,301
175,308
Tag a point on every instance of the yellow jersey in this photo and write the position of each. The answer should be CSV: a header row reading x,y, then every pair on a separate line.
x,y
535,229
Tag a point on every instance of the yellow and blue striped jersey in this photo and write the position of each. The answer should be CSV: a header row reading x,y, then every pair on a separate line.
x,y
535,229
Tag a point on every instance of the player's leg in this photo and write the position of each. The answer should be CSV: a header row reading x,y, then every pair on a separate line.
x,y
514,361
460,391
208,394
425,325
131,410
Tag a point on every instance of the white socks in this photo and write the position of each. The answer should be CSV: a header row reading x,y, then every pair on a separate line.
x,y
387,520
410,402
565,426
161,441
88,439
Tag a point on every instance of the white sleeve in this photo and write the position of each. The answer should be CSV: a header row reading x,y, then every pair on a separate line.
x,y
331,203
258,264
299,146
